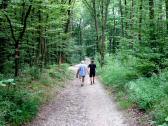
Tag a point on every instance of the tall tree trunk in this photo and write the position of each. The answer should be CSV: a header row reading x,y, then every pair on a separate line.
x,y
126,14
140,21
132,23
3,6
121,13
114,42
104,14
166,2
69,17
20,37
103,33
96,24
112,34
152,25
41,45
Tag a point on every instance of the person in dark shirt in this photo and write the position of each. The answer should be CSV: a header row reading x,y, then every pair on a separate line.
x,y
92,73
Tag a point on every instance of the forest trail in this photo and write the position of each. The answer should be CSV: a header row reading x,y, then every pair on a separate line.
x,y
82,106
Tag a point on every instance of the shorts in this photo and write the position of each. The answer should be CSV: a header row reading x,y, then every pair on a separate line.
x,y
81,77
92,74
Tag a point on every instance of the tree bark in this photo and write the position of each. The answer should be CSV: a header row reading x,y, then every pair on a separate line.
x,y
104,14
152,25
3,6
18,40
132,23
96,24
140,21
126,14
166,2
69,17
114,44
121,13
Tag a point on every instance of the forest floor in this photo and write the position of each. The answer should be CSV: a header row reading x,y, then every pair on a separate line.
x,y
90,105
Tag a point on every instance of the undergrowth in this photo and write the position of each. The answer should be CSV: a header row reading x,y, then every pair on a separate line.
x,y
20,102
134,88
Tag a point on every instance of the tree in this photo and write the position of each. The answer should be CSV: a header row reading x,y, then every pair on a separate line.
x,y
166,2
18,39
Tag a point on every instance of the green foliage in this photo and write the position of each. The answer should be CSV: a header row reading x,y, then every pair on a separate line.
x,y
20,103
123,101
59,32
145,92
132,88
59,72
2,120
160,111
145,68
17,106
118,75
33,72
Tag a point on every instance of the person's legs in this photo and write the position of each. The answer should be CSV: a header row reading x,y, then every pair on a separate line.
x,y
83,80
90,78
93,78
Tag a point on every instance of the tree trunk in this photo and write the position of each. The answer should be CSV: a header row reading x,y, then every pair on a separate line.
x,y
114,44
126,14
3,6
140,21
41,45
96,24
69,17
166,2
104,14
121,13
20,37
152,25
132,23
17,59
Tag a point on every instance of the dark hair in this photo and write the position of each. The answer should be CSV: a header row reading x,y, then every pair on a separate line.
x,y
92,61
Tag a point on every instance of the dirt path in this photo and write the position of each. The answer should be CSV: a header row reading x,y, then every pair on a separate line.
x,y
81,106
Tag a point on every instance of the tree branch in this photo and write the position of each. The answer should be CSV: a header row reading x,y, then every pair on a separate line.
x,y
10,24
90,8
24,23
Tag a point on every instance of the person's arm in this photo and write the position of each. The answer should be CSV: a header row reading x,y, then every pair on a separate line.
x,y
88,69
77,73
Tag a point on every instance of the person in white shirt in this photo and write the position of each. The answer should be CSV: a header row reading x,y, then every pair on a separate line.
x,y
81,72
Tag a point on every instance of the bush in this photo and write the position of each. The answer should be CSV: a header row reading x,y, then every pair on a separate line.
x,y
59,72
138,83
145,68
19,102
17,106
160,112
145,92
33,72
117,75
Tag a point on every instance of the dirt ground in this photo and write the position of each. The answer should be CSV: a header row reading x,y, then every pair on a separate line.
x,y
89,105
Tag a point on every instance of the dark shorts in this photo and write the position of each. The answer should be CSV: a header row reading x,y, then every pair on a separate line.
x,y
92,74
81,77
